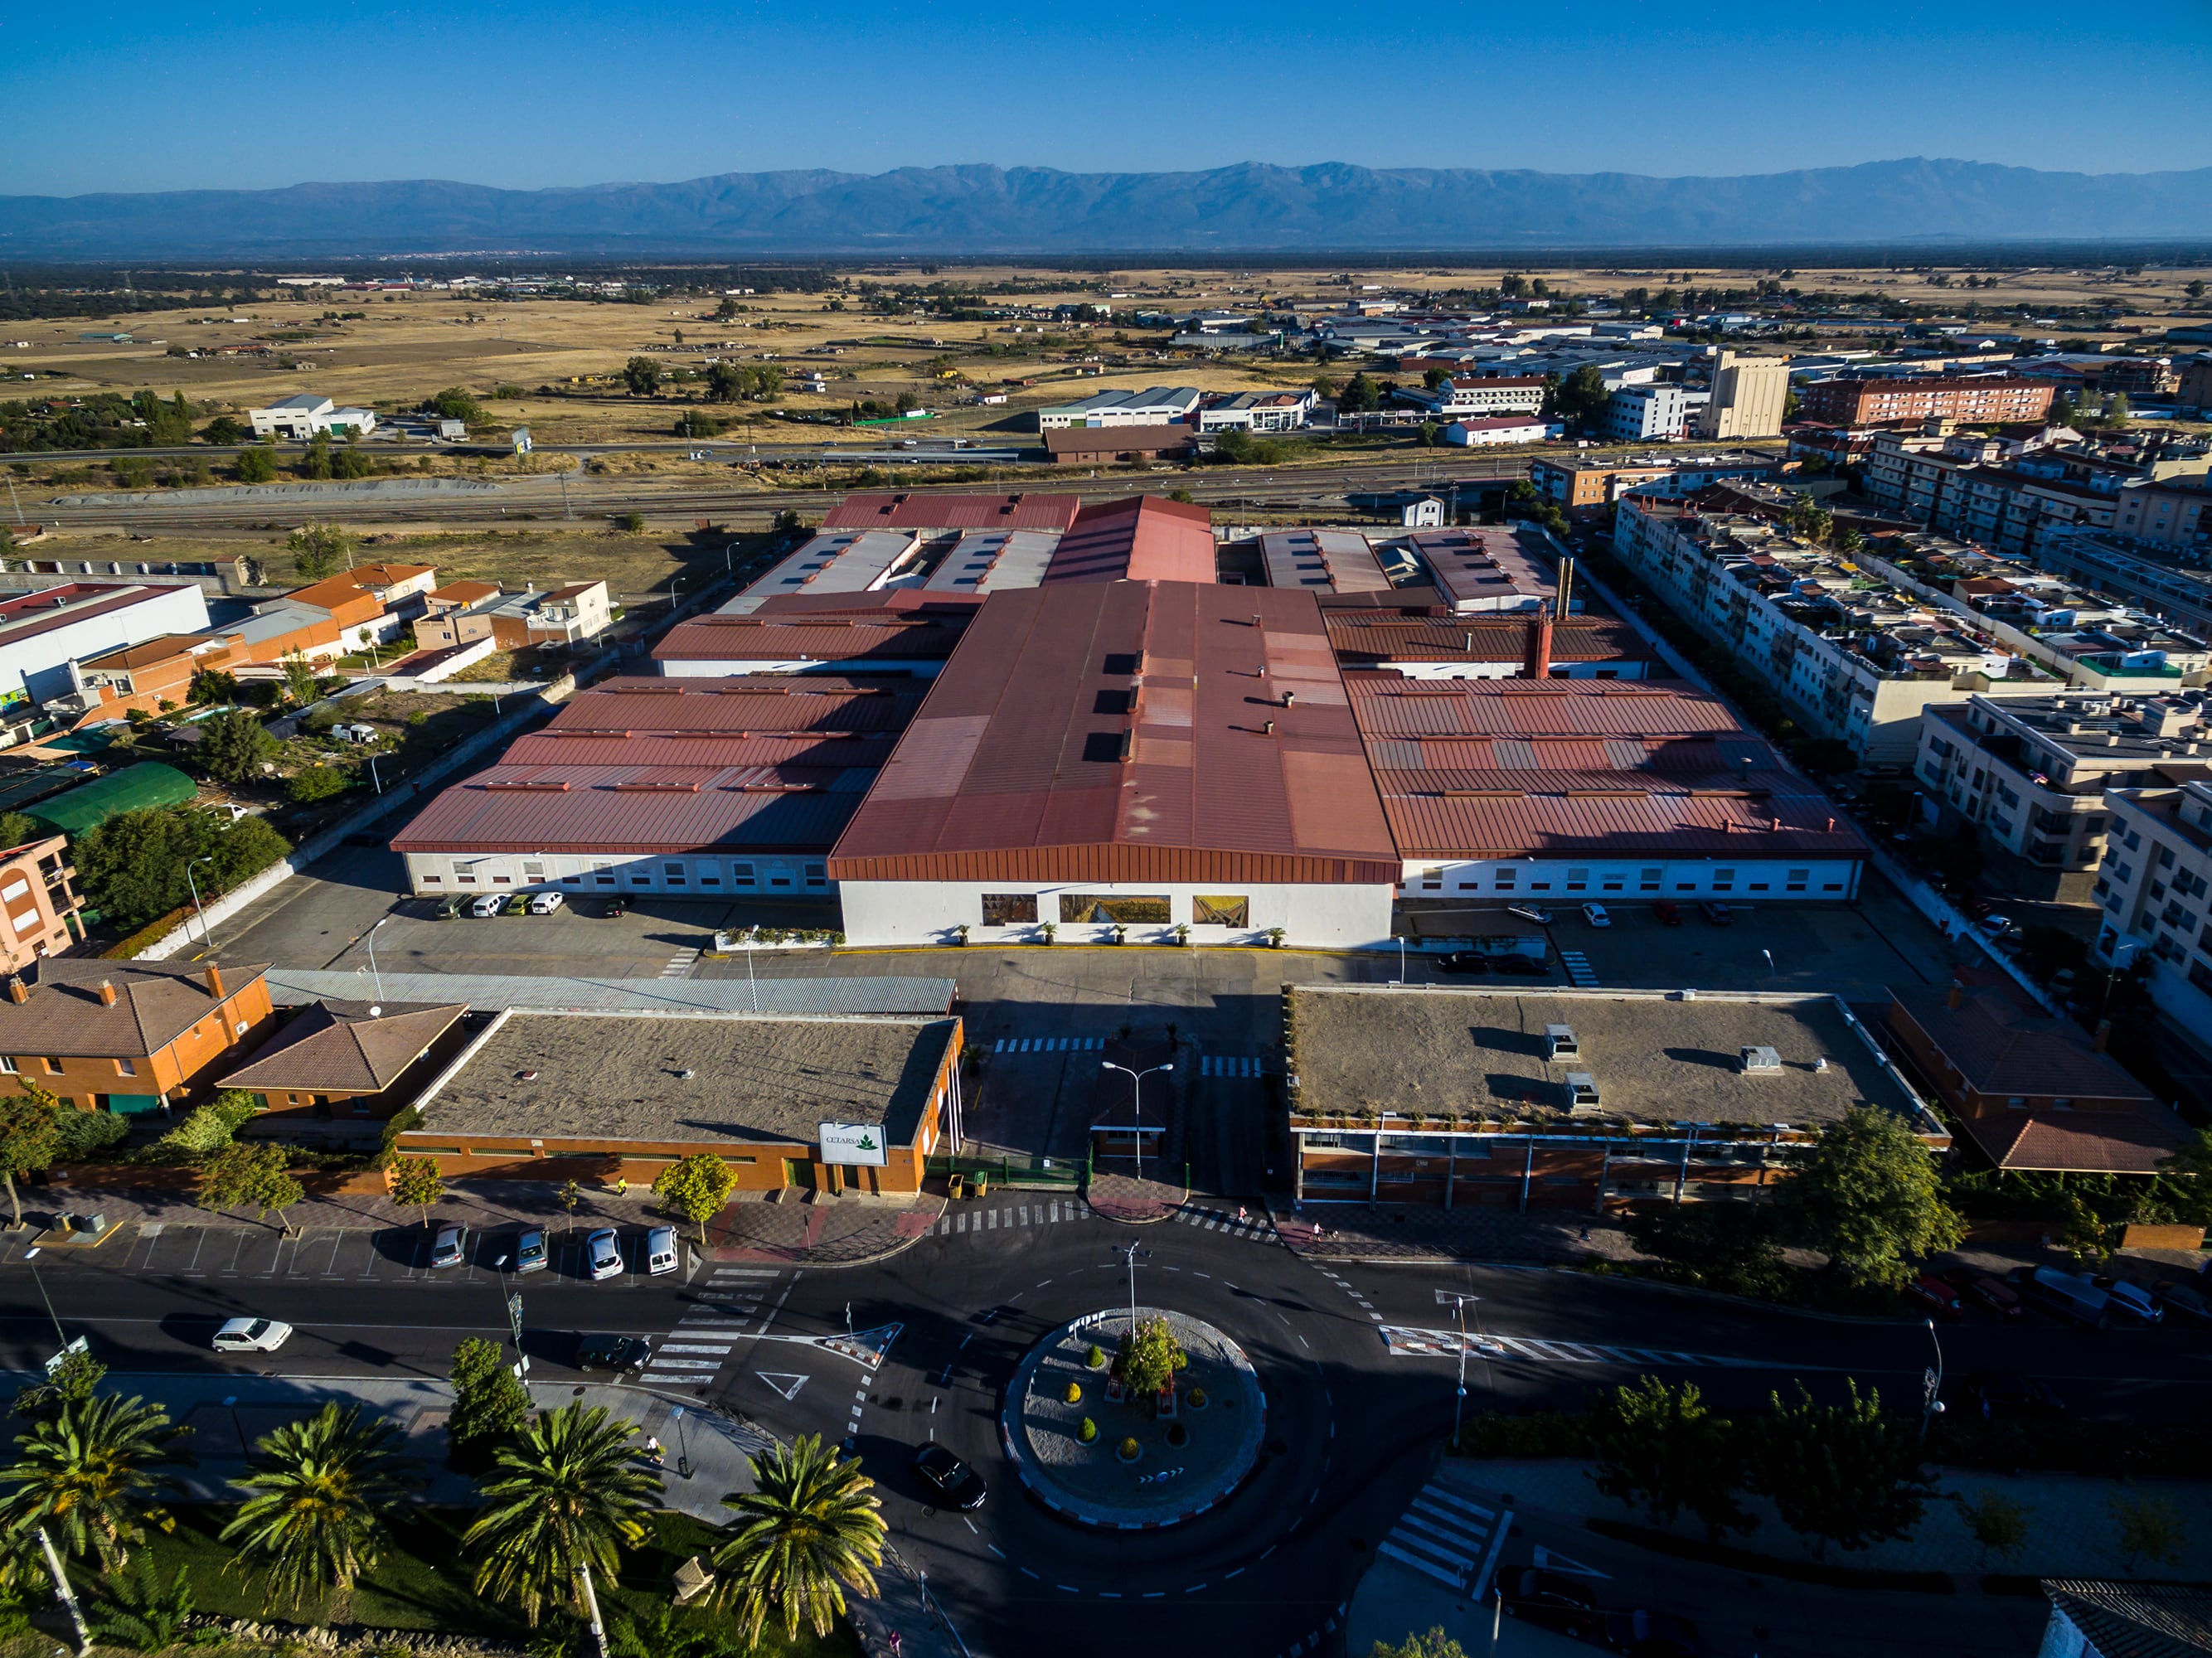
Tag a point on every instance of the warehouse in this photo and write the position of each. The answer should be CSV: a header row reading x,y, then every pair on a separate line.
x,y
43,635
903,632
819,1104
1418,643
938,512
1578,1100
1144,760
1139,538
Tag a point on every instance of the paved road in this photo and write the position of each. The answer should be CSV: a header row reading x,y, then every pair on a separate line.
x,y
1352,1429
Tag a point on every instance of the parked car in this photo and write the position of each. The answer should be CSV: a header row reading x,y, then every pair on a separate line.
x,y
252,1336
2130,1301
603,1254
487,904
450,906
960,1485
1522,967
1993,1293
2002,1395
1529,913
612,1352
517,904
544,903
1463,961
2186,1299
1718,914
1549,1600
1650,1635
2065,1296
450,1247
612,910
1595,916
1937,1296
530,1250
661,1250
1666,912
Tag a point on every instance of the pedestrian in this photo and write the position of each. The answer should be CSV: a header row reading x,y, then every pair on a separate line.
x,y
897,1643
1240,1214
653,1453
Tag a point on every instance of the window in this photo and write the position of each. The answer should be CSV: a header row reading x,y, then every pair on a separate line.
x,y
1578,880
2017,1102
54,1066
7,1066
125,1068
502,881
1647,880
1220,909
431,880
673,874
1506,877
741,875
817,875
1009,908
566,880
466,880
640,878
1723,880
1141,908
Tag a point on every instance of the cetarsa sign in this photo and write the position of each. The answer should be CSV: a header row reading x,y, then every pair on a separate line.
x,y
853,1143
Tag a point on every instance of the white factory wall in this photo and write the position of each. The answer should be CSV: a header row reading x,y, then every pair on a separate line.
x,y
930,912
611,874
39,667
1595,879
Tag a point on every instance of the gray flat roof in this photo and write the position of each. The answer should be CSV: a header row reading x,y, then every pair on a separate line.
x,y
894,994
1657,1059
676,1078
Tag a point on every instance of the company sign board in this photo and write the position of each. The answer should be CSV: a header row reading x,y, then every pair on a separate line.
x,y
852,1143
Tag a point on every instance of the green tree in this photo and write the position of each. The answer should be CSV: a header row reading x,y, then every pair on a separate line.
x,y
1865,1194
134,864
1434,1644
1659,1446
2149,1527
570,1494
75,1377
315,783
416,1184
1151,1356
232,746
1840,1474
214,685
810,1529
2195,290
642,376
488,1405
257,463
316,462
225,430
91,1475
1998,1524
30,1136
143,1610
319,550
696,1188
1324,387
318,1491
1582,396
456,403
725,382
248,1177
211,1125
1359,396
302,684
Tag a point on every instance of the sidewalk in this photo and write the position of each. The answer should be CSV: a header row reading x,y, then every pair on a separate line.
x,y
1405,1234
1132,1201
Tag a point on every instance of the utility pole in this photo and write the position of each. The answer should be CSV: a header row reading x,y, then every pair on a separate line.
x,y
63,1592
591,1609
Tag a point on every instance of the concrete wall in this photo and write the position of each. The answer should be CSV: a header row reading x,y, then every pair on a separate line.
x,y
930,912
1594,877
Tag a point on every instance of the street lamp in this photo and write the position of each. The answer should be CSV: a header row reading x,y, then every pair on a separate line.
x,y
1137,1103
1931,1385
30,1256
1401,980
372,775
376,973
1129,1252
683,1446
1460,1304
197,906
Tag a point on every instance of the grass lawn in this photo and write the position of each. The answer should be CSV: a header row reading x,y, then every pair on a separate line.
x,y
424,1582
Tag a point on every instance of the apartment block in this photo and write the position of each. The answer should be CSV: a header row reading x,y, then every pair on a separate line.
x,y
1951,484
2107,562
2166,513
1588,488
38,908
1748,397
1853,658
2155,889
1970,399
128,1037
1639,414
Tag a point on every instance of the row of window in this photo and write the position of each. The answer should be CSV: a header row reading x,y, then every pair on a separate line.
x,y
672,873
1125,909
13,1067
1506,879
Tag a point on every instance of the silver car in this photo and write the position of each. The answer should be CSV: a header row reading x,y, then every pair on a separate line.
x,y
252,1336
603,1254
661,1250
451,1247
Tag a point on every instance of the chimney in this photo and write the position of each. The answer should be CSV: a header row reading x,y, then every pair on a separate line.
x,y
1536,649
1290,698
107,992
1271,728
18,991
1958,996
215,981
2104,1034
1566,601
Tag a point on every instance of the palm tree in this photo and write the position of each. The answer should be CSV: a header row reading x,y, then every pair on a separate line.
x,y
318,1486
90,1473
810,1527
569,1494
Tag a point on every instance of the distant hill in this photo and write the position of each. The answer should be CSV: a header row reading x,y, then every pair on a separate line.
x,y
989,210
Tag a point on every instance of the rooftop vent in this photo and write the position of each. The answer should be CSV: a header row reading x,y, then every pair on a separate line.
x,y
1559,1042
1581,1093
525,1076
1759,1060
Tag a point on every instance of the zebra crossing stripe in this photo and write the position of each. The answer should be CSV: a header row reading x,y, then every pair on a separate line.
x,y
1450,1580
659,1364
697,1347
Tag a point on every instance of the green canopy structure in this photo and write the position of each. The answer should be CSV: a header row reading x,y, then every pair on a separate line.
x,y
79,811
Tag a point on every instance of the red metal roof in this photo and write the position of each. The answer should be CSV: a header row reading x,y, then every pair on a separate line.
x,y
778,635
637,810
922,509
1120,730
1139,538
712,749
740,703
1390,705
1361,636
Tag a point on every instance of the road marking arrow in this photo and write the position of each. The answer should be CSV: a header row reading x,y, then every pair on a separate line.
x,y
783,1381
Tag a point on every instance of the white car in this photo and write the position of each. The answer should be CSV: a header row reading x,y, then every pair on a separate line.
x,y
1595,916
544,903
661,1250
252,1336
603,1255
489,904
1531,913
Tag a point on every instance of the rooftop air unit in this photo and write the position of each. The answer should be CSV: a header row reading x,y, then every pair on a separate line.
x,y
1559,1042
1759,1061
1581,1094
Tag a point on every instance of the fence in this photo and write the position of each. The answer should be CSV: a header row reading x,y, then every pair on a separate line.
x,y
1039,1173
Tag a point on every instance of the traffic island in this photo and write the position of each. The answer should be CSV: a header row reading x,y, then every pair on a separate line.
x,y
1095,1453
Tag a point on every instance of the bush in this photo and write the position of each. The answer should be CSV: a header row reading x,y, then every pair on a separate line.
x,y
1088,1431
210,1126
1072,1393
1130,1450
134,864
316,783
1542,1434
86,1134
1093,1358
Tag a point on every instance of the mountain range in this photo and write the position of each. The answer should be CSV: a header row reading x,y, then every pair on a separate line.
x,y
966,211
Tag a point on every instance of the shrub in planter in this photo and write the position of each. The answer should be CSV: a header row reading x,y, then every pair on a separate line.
x,y
1072,1393
1275,936
1094,1357
1178,1435
1195,1398
1130,1450
1087,1431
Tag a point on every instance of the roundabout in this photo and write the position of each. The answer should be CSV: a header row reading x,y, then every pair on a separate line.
x,y
1101,1454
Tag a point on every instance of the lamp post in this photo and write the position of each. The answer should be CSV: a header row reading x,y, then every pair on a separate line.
x,y
62,1592
1137,1103
377,974
1931,1385
374,775
1460,1303
30,1256
683,1446
197,906
1129,1252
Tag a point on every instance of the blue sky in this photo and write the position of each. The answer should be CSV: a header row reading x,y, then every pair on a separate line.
x,y
141,97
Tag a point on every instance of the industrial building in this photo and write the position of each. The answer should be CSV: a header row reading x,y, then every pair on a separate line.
x,y
308,416
44,635
1156,405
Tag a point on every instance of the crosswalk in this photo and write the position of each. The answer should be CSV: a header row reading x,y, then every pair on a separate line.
x,y
1012,1216
1243,1223
1406,1342
693,1352
1047,1044
1444,1536
1580,973
679,964
1229,1065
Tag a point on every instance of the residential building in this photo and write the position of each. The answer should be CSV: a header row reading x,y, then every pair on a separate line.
x,y
1156,405
2193,382
2138,571
1470,397
2030,772
141,678
1588,489
1748,396
465,612
38,908
2094,1619
1949,484
821,1105
44,635
1854,659
1591,1101
1639,414
2153,887
129,1037
2168,513
2033,1090
302,417
331,1061
1970,399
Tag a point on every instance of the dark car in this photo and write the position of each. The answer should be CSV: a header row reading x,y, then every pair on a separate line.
x,y
1650,1635
1993,1293
1718,914
1999,1394
1463,961
619,1354
1666,912
960,1485
1522,967
1937,1296
1549,1600
2183,1298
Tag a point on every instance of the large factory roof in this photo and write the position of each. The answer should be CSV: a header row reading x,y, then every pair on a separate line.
x,y
899,625
946,510
1130,731
1140,538
1363,637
